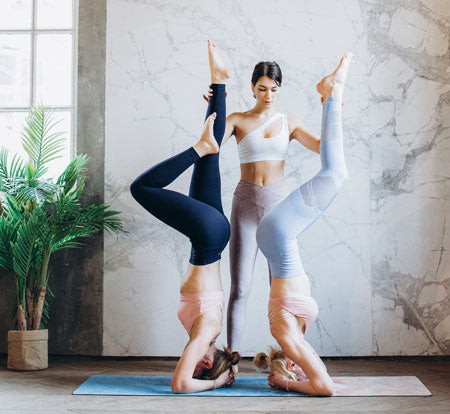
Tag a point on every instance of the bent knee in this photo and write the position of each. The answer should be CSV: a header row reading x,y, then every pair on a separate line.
x,y
135,188
240,291
214,231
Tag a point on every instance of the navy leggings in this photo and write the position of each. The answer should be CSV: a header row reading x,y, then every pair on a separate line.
x,y
198,216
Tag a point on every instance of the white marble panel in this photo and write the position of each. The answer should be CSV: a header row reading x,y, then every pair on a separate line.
x,y
385,232
410,173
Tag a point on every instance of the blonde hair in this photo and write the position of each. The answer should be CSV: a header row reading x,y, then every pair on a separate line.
x,y
223,360
275,361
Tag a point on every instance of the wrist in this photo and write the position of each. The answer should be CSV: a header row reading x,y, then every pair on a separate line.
x,y
214,384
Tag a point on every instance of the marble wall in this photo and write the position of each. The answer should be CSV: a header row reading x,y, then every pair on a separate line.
x,y
377,259
409,120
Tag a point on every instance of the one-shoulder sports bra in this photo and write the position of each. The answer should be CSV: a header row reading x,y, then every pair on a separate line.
x,y
254,147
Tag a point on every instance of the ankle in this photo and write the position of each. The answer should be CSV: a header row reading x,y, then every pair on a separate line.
x,y
202,148
217,80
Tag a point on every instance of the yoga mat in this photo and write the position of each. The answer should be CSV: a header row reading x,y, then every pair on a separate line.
x,y
250,387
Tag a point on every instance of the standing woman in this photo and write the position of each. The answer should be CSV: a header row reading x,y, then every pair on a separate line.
x,y
262,135
291,308
200,217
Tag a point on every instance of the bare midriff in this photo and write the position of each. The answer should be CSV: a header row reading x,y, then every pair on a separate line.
x,y
290,286
262,172
202,279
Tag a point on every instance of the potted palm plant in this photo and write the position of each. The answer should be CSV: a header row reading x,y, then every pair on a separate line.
x,y
39,216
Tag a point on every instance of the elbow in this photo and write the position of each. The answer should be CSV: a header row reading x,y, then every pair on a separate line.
x,y
180,386
324,388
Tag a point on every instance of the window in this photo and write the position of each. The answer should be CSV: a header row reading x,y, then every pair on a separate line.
x,y
37,65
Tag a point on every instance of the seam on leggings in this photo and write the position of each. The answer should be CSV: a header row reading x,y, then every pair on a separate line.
x,y
281,197
312,197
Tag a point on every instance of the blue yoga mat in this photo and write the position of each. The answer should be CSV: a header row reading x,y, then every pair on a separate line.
x,y
155,385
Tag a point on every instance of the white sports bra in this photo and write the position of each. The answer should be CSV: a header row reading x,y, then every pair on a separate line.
x,y
254,147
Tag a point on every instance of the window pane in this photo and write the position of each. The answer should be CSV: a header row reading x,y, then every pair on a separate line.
x,y
54,14
15,69
56,167
54,69
15,14
11,128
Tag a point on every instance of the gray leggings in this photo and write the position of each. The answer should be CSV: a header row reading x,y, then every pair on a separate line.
x,y
250,203
285,218
278,231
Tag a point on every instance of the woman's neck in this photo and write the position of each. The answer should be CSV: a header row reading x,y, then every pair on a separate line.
x,y
262,110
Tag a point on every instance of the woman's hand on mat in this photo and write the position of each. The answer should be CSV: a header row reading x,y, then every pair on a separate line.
x,y
235,369
225,379
207,97
276,380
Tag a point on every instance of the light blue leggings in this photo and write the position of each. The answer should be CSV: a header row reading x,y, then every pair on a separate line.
x,y
278,231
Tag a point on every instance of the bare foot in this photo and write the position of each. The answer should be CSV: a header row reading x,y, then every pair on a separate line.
x,y
219,72
207,143
333,85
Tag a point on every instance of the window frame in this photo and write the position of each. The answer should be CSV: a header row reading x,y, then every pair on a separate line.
x,y
34,32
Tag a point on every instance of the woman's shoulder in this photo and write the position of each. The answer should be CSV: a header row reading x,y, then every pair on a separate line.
x,y
237,115
294,123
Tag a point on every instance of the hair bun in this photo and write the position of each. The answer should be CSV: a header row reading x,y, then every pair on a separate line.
x,y
261,360
235,357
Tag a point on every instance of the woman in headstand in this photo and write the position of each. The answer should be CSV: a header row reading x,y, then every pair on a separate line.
x,y
262,135
200,217
297,367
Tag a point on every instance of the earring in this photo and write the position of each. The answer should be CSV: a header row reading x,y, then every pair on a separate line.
x,y
254,96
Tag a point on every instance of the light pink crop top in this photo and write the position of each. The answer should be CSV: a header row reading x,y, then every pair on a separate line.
x,y
254,147
192,305
285,307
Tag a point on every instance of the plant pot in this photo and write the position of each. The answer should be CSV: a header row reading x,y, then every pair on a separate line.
x,y
28,350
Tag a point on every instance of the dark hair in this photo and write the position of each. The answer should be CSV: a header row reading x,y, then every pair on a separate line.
x,y
270,69
223,360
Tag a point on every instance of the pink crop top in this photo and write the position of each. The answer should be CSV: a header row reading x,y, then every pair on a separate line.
x,y
254,147
286,307
192,305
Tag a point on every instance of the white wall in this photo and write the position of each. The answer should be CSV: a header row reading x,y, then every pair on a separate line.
x,y
377,259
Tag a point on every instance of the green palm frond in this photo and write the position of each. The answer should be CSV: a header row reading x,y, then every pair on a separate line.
x,y
46,310
38,216
72,173
12,209
3,164
68,240
8,175
23,248
37,191
8,234
99,216
45,231
64,212
16,168
41,145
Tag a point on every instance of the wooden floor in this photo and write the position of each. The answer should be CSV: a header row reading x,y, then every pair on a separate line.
x,y
49,391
